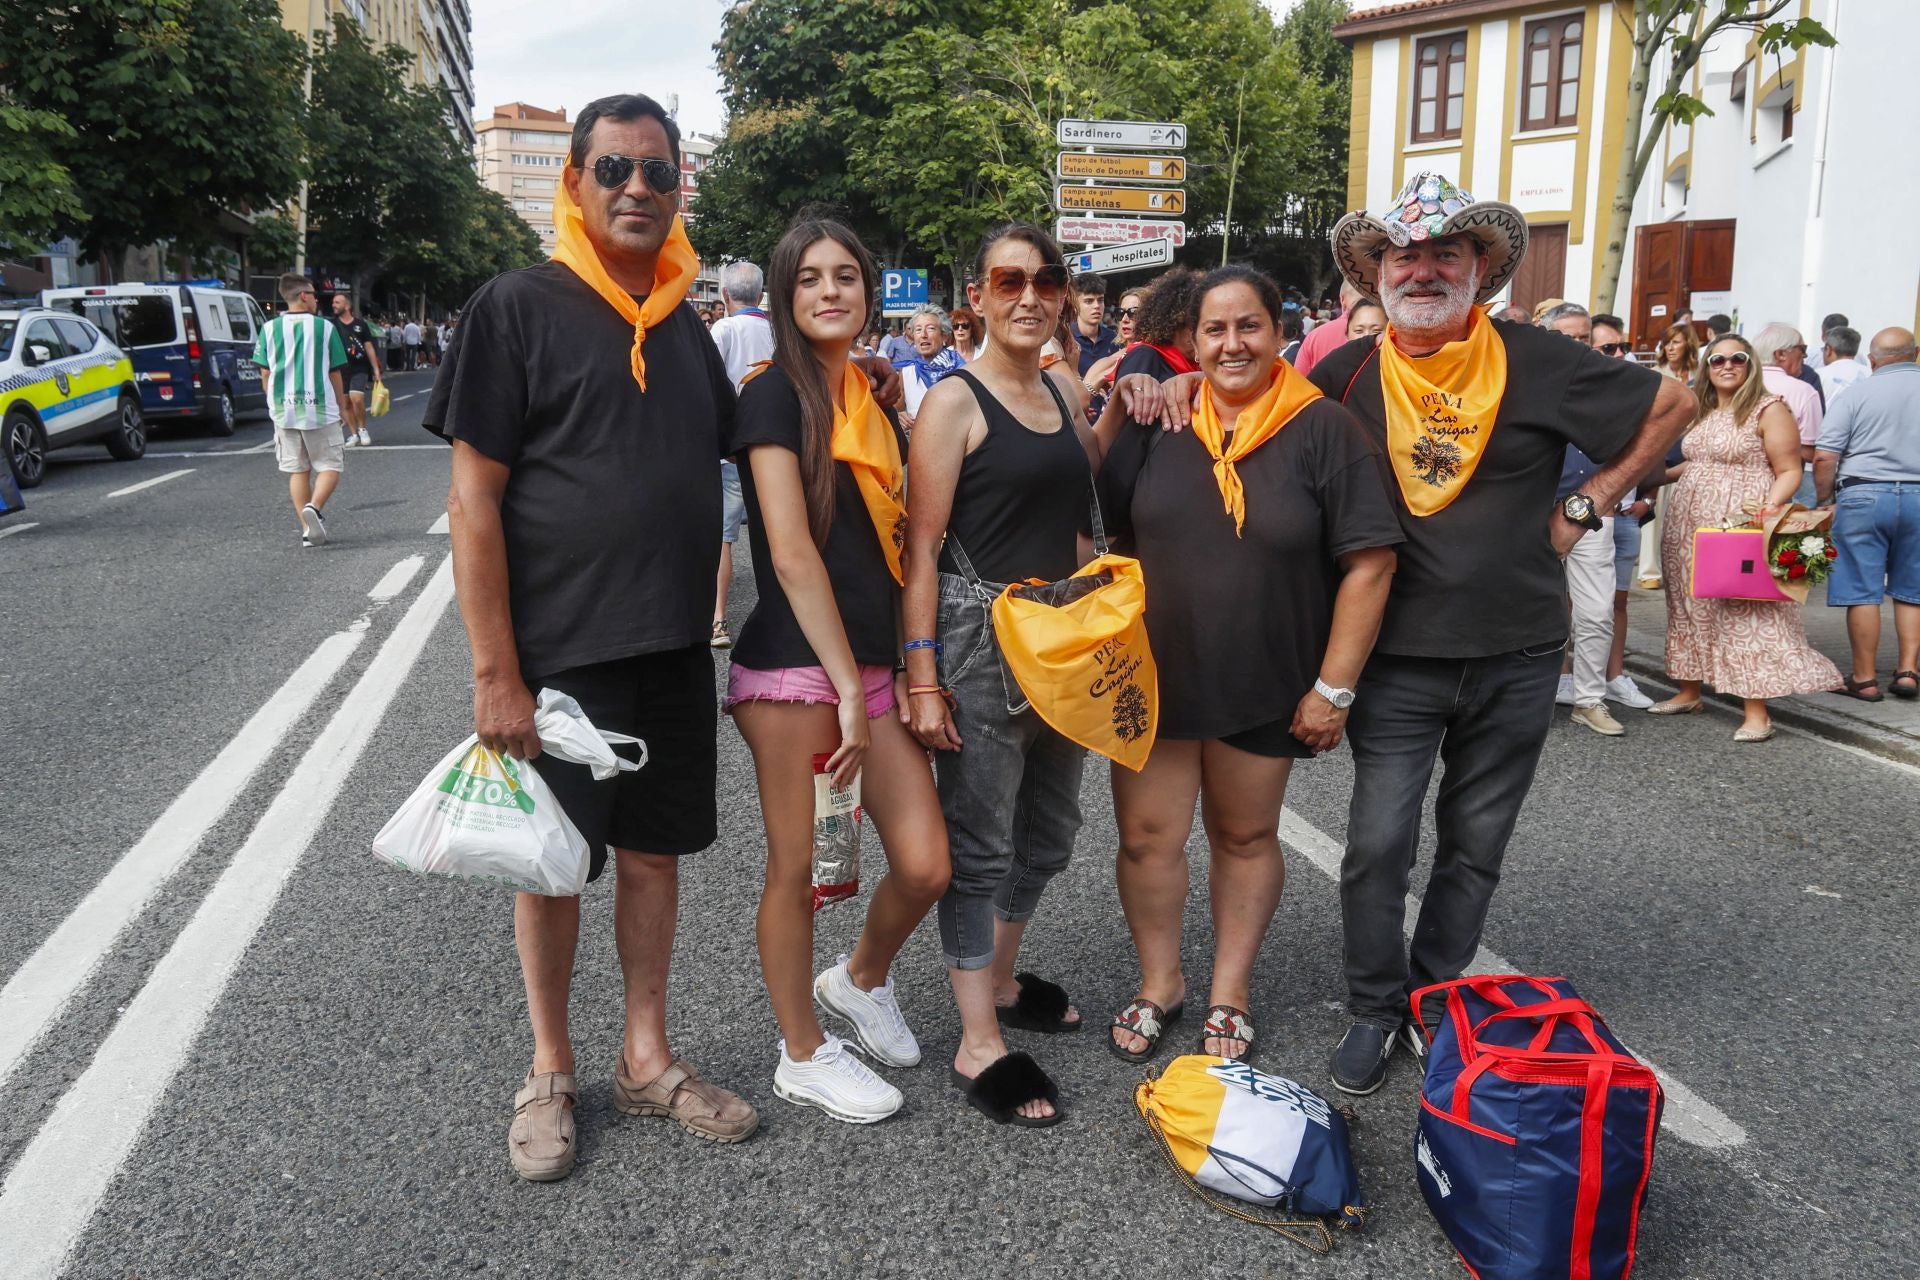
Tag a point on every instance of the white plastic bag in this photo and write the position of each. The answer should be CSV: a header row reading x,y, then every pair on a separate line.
x,y
484,816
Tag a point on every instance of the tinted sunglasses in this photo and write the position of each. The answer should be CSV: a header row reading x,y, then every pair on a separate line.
x,y
1008,284
1731,357
614,172
1612,348
1128,313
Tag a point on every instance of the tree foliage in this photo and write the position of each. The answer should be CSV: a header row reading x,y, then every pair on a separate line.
x,y
1672,34
38,201
394,198
924,124
179,109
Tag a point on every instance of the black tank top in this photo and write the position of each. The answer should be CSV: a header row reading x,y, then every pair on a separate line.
x,y
1022,496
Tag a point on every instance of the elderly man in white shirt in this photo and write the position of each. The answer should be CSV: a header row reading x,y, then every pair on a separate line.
x,y
1781,351
1841,365
745,338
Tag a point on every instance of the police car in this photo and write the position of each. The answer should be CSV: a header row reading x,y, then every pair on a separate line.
x,y
63,383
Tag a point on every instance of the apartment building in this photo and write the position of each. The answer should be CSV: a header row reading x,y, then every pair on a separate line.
x,y
437,33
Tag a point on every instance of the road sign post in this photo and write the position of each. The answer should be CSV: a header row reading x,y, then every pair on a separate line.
x,y
1157,252
1161,135
1115,166
1118,230
902,291
1102,199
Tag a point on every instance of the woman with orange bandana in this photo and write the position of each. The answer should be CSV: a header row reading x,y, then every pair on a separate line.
x,y
1266,538
814,668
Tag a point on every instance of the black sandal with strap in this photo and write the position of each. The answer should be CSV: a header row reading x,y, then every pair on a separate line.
x,y
1852,689
1042,1007
1224,1022
1907,691
1147,1020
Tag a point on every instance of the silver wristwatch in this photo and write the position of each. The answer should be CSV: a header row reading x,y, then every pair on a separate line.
x,y
1341,698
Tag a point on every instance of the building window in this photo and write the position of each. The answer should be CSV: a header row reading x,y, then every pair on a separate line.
x,y
1550,74
1439,87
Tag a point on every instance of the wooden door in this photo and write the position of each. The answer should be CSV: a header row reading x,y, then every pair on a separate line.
x,y
1659,277
1710,255
1543,272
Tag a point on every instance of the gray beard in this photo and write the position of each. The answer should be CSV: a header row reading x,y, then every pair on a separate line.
x,y
1447,314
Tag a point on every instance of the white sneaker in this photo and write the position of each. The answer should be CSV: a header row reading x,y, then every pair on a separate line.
x,y
1565,696
362,437
875,1016
312,525
1624,691
837,1082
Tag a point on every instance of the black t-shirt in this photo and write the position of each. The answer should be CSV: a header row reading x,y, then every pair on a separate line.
x,y
863,586
357,336
1239,625
612,510
1480,576
1144,359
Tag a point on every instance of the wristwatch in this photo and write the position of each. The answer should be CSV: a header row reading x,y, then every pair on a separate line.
x,y
1341,698
1579,508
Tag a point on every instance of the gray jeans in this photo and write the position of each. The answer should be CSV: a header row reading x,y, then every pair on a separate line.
x,y
1486,719
1011,794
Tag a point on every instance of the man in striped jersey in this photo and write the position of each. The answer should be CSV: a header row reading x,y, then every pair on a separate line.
x,y
302,355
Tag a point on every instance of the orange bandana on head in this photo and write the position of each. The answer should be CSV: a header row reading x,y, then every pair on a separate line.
x,y
864,440
1258,423
673,272
1440,412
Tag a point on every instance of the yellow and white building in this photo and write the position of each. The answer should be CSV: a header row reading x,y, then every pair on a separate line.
x,y
1515,100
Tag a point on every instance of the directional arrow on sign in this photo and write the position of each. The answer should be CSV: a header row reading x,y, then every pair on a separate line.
x,y
1114,166
1120,200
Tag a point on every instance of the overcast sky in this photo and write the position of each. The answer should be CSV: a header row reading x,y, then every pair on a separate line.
x,y
566,53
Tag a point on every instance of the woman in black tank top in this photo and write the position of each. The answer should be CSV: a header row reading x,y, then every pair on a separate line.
x,y
999,482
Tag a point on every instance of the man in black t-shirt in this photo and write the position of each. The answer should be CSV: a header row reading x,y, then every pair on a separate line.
x,y
362,370
1468,658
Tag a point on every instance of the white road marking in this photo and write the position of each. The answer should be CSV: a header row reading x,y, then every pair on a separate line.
x,y
410,395
40,989
262,447
1690,1117
148,484
53,1190
1818,892
395,580
440,525
12,529
441,447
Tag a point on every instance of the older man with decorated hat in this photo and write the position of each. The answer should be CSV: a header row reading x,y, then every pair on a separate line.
x,y
1472,416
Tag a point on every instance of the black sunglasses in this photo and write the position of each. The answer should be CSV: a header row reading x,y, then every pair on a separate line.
x,y
1127,313
1612,348
615,171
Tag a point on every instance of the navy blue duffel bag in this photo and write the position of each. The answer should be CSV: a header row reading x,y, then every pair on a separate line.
x,y
1536,1131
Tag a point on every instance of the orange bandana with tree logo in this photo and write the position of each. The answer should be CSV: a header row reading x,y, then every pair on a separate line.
x,y
864,440
1440,412
673,273
1258,423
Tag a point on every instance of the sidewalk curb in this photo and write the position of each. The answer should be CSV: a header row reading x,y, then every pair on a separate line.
x,y
1885,743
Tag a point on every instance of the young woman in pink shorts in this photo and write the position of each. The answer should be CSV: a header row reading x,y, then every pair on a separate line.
x,y
814,668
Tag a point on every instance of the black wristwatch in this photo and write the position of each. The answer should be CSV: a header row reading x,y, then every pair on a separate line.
x,y
1579,508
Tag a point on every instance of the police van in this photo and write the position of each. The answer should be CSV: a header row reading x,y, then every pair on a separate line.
x,y
191,343
62,382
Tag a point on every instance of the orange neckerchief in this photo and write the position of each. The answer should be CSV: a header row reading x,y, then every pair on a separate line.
x,y
1440,412
673,273
864,440
1258,423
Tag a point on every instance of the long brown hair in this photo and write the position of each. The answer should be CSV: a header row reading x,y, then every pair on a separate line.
x,y
1745,398
794,354
1687,366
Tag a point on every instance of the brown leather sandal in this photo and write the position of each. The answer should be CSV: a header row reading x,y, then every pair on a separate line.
x,y
701,1107
541,1141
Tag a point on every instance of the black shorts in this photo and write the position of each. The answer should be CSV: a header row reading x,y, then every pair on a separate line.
x,y
360,380
667,701
1272,740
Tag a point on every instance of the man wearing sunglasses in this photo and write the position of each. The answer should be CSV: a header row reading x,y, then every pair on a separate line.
x,y
588,409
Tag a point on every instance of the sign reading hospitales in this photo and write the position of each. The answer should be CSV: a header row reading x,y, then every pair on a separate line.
x,y
1118,230
1157,252
1069,199
902,290
1113,166
1163,135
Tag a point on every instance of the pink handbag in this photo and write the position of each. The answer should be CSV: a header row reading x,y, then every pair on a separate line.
x,y
1731,564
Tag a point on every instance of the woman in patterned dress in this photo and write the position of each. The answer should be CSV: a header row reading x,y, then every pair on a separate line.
x,y
1746,448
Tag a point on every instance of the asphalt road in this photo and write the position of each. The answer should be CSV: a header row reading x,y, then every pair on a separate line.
x,y
233,1044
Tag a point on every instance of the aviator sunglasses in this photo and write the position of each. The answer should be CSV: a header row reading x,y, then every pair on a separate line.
x,y
1009,283
1731,357
615,171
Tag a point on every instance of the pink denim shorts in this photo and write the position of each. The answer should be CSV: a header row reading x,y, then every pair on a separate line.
x,y
806,684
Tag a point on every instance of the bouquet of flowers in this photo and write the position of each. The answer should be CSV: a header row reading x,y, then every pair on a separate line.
x,y
1793,556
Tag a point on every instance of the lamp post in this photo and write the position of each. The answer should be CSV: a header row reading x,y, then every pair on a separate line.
x,y
300,246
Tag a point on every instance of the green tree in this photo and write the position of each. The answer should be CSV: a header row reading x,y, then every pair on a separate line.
x,y
180,109
37,196
1319,185
1673,34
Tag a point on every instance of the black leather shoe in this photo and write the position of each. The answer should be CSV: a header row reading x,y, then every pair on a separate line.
x,y
1360,1059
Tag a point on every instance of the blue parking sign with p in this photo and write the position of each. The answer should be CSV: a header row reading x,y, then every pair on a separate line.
x,y
902,290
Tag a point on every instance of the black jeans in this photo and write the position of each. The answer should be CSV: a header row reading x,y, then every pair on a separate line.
x,y
1486,719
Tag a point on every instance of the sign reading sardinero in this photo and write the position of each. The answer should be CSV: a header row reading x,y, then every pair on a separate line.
x,y
1118,230
1165,135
